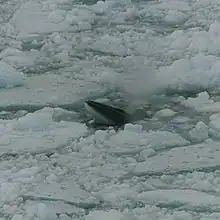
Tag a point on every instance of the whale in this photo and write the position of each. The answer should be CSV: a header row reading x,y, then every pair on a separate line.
x,y
104,114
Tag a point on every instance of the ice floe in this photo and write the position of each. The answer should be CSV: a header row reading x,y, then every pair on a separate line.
x,y
9,77
52,167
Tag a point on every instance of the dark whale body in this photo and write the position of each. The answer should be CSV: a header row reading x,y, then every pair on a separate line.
x,y
106,115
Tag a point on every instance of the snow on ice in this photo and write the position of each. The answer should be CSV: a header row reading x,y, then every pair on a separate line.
x,y
9,77
59,52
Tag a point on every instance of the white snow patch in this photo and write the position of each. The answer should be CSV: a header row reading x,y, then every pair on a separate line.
x,y
163,139
189,198
190,73
174,5
199,42
101,7
214,125
202,103
201,70
143,83
38,120
214,33
132,139
70,192
27,172
80,16
175,17
37,132
149,152
8,30
165,113
57,16
200,132
9,77
107,215
9,191
181,120
45,210
41,211
41,90
205,155
30,19
21,59
110,44
117,192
